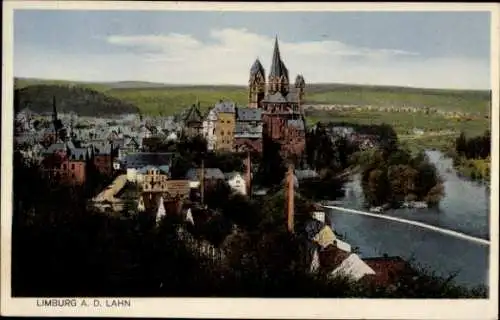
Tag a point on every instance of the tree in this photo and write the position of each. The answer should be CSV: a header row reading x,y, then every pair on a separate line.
x,y
461,144
216,194
402,181
273,167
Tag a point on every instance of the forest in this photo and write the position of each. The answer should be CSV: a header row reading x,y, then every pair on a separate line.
x,y
80,100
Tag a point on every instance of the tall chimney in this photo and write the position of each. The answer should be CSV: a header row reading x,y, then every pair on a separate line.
x,y
290,199
202,181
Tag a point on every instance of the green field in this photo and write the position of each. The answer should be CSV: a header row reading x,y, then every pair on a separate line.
x,y
403,123
156,99
161,101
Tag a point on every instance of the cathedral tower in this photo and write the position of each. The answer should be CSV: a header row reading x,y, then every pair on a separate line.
x,y
257,85
278,75
300,84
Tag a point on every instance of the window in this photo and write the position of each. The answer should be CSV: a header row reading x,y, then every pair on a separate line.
x,y
72,166
64,166
222,133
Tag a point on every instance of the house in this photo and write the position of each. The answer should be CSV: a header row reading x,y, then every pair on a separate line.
x,y
103,158
224,125
306,174
387,269
353,267
209,124
153,178
211,176
153,201
137,161
237,182
332,254
172,136
192,121
248,130
63,163
125,145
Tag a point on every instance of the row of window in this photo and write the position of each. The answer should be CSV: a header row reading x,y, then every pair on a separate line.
x,y
65,166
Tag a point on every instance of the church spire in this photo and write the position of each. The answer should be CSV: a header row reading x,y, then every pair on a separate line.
x,y
278,75
276,63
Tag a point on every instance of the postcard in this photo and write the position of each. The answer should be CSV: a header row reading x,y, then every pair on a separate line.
x,y
257,160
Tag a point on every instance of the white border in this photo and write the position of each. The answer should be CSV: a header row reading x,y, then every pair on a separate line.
x,y
250,308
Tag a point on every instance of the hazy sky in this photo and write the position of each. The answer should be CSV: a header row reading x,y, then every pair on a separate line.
x,y
422,49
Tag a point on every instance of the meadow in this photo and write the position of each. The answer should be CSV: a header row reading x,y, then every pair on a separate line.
x,y
403,122
161,99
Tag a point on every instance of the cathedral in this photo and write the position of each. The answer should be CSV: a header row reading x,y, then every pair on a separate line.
x,y
281,105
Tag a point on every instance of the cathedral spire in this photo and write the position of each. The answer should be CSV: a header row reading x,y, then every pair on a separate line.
x,y
276,64
278,75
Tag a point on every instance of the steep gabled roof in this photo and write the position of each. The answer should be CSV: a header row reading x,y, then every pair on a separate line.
x,y
248,114
193,114
80,154
245,130
194,174
225,107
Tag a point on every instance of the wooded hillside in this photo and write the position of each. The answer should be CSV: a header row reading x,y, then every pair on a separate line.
x,y
82,101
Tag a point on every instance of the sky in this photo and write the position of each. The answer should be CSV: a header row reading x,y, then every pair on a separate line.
x,y
417,49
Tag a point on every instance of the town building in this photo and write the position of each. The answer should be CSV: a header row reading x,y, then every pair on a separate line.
x,y
248,130
209,124
237,182
224,125
283,118
210,176
103,156
136,164
65,164
192,121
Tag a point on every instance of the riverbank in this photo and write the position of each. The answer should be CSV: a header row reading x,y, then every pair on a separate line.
x,y
443,253
477,170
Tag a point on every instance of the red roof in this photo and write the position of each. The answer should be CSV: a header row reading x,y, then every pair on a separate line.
x,y
387,269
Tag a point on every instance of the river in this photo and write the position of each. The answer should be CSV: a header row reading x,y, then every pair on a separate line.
x,y
465,208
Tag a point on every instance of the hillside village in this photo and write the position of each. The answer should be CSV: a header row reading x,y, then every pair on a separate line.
x,y
131,159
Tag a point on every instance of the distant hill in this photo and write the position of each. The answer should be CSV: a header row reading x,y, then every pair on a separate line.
x,y
80,100
165,99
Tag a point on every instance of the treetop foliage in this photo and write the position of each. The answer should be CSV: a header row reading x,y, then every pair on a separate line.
x,y
80,100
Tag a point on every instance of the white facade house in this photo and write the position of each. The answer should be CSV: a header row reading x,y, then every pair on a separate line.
x,y
237,182
132,174
116,165
172,136
209,129
353,267
319,215
344,246
161,211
